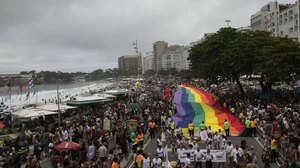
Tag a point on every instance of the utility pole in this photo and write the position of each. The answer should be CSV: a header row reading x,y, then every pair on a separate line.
x,y
136,48
228,22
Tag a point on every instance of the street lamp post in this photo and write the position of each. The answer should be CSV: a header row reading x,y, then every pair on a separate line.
x,y
228,22
136,48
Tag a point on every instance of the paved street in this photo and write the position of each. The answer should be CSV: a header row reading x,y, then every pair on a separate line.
x,y
150,148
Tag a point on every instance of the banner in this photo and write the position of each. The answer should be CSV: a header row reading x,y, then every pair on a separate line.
x,y
106,124
218,155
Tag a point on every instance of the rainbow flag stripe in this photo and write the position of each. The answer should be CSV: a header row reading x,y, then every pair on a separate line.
x,y
196,105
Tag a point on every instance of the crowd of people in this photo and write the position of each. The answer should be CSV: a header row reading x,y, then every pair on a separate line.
x,y
276,119
99,148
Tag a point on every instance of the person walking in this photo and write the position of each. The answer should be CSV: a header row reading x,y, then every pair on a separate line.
x,y
208,159
198,158
227,128
191,128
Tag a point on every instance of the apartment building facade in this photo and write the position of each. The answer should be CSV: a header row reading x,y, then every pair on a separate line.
x,y
147,61
158,48
279,19
129,63
289,22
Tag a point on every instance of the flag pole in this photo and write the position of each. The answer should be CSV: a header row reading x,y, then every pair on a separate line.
x,y
21,98
29,95
10,99
36,94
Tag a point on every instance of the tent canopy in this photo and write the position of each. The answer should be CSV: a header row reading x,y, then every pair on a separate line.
x,y
53,107
31,112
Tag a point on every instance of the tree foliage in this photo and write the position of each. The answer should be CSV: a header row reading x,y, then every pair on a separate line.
x,y
230,54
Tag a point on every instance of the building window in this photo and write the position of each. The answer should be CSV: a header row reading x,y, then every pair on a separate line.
x,y
296,22
281,33
280,16
296,28
295,16
285,14
291,30
291,18
290,12
285,20
280,22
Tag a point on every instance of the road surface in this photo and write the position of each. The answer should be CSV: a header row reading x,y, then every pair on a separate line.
x,y
150,148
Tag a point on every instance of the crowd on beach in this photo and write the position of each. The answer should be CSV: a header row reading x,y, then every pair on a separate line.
x,y
99,148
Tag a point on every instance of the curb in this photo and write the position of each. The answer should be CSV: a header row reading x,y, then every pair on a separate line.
x,y
280,158
131,155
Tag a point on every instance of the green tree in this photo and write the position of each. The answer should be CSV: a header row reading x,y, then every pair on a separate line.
x,y
229,54
226,53
277,60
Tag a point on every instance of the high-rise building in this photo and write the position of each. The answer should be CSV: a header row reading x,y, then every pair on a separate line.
x,y
158,48
289,22
147,61
166,60
129,63
268,17
181,58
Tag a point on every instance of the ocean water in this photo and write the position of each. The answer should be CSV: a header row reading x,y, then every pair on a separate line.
x,y
47,92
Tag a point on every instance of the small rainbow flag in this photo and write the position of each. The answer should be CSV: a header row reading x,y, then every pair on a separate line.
x,y
196,105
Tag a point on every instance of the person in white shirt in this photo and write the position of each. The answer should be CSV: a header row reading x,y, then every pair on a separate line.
x,y
157,163
146,162
216,140
178,130
236,153
181,148
223,143
65,135
198,156
159,141
195,145
163,136
160,152
229,149
187,160
208,159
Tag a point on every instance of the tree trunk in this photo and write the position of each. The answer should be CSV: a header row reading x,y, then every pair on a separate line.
x,y
266,88
237,79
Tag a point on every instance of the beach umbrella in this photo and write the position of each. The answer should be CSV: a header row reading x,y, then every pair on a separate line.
x,y
213,86
148,92
66,146
2,125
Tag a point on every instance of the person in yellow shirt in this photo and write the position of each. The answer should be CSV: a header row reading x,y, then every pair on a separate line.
x,y
253,127
152,126
141,139
273,149
139,159
191,127
241,115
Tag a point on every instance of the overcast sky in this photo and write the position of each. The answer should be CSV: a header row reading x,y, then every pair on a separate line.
x,y
84,35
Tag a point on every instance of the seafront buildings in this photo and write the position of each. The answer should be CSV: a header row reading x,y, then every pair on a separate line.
x,y
279,19
158,48
129,63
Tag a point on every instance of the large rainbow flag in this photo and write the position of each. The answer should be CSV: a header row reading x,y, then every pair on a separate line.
x,y
196,105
